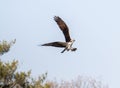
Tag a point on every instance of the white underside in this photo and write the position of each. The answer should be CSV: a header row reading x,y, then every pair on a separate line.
x,y
68,46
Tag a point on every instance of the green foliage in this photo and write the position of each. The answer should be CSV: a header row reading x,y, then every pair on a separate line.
x,y
21,77
6,71
5,46
40,82
10,77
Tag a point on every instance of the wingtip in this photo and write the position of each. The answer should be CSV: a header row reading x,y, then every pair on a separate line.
x,y
56,18
40,45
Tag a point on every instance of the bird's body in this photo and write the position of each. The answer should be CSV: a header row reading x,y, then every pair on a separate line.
x,y
69,46
69,42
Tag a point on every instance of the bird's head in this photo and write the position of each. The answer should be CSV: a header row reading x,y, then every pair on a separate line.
x,y
73,40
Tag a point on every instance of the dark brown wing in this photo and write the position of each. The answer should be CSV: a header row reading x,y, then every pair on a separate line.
x,y
55,44
62,25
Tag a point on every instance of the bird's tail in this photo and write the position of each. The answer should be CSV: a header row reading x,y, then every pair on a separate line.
x,y
73,49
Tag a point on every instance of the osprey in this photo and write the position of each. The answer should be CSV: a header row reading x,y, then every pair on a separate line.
x,y
69,42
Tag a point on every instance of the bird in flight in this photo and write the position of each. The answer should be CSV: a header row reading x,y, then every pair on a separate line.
x,y
67,45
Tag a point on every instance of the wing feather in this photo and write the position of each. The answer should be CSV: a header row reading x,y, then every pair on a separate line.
x,y
62,25
55,44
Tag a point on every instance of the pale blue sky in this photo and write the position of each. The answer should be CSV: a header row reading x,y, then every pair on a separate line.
x,y
94,24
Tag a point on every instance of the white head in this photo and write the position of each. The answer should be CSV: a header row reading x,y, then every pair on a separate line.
x,y
72,40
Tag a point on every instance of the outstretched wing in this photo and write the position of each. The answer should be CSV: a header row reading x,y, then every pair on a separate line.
x,y
55,44
62,25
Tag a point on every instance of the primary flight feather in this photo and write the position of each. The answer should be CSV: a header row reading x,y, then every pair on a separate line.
x,y
62,25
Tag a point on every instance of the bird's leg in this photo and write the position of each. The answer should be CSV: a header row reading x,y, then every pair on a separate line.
x,y
64,50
